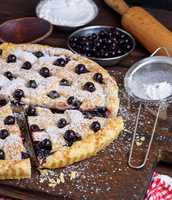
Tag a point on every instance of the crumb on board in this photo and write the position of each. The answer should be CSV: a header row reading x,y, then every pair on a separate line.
x,y
73,175
142,139
139,143
53,179
62,177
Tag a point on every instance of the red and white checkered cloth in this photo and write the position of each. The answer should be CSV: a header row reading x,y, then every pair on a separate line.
x,y
160,188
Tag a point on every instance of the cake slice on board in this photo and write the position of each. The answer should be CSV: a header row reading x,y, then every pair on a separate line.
x,y
14,160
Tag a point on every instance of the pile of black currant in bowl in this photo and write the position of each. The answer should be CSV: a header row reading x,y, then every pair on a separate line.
x,y
101,42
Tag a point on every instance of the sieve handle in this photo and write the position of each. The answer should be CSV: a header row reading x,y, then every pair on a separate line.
x,y
150,142
159,49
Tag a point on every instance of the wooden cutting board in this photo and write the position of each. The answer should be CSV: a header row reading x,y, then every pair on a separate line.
x,y
106,176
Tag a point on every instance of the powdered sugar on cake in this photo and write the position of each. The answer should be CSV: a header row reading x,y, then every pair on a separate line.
x,y
25,56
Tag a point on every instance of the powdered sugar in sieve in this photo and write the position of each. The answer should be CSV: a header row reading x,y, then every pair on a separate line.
x,y
150,79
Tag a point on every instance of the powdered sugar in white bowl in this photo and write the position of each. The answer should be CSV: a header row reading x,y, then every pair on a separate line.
x,y
69,13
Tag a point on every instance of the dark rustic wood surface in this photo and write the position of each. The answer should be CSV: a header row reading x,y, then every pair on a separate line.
x,y
106,176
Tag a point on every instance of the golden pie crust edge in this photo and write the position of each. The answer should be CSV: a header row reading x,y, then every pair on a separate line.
x,y
87,147
11,169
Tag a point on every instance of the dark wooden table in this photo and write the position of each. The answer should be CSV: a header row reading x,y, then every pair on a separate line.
x,y
106,176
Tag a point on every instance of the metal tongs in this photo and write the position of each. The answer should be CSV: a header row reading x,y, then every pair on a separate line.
x,y
153,64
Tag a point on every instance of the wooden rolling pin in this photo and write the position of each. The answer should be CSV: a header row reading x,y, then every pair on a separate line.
x,y
149,31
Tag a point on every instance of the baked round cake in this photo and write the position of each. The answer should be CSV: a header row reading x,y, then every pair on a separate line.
x,y
70,105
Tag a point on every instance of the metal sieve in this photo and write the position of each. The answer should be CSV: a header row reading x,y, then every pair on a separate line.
x,y
151,70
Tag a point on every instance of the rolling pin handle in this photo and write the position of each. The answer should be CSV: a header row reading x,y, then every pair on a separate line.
x,y
118,5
